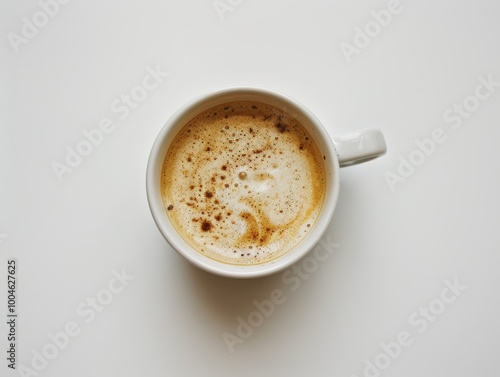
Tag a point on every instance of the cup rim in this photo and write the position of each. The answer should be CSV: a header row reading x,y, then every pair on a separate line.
x,y
155,163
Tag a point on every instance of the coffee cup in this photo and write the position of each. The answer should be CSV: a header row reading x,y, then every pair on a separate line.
x,y
243,182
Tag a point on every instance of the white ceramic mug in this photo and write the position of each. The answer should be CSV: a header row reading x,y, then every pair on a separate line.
x,y
342,150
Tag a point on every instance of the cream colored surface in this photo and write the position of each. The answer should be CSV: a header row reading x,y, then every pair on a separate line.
x,y
392,251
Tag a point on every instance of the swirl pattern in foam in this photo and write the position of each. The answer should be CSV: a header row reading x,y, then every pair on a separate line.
x,y
243,182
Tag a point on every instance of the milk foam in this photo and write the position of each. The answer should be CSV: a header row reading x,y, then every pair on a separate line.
x,y
243,182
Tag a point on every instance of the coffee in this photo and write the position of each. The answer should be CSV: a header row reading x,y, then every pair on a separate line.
x,y
243,182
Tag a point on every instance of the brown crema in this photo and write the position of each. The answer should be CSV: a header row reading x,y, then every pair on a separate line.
x,y
243,182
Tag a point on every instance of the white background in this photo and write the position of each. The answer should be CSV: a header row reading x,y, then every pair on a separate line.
x,y
396,250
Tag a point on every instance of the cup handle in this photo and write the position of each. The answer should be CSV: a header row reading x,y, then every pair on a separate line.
x,y
359,146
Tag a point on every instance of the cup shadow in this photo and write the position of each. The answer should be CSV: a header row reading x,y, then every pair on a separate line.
x,y
224,299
